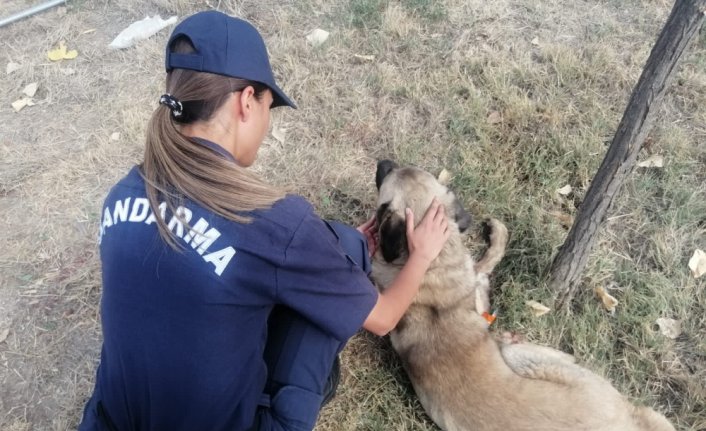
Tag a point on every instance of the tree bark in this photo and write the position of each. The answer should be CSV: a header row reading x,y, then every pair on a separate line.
x,y
683,23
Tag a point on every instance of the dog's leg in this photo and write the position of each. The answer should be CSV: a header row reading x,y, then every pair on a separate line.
x,y
650,420
482,288
498,238
539,362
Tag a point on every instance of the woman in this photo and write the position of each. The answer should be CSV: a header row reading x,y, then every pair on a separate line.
x,y
226,301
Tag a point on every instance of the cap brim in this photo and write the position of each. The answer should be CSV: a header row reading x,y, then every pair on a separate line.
x,y
279,98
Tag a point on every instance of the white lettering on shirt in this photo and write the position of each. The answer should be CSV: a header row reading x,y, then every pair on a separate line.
x,y
139,210
220,258
180,213
162,213
121,210
200,236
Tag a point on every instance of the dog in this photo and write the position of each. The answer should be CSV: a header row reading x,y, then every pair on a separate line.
x,y
464,377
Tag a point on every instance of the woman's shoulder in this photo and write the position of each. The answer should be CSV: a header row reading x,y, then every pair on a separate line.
x,y
287,212
294,204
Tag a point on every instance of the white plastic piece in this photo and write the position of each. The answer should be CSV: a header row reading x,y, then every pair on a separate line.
x,y
140,30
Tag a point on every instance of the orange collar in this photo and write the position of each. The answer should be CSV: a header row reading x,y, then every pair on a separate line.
x,y
490,318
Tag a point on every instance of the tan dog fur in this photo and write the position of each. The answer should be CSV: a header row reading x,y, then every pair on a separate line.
x,y
464,378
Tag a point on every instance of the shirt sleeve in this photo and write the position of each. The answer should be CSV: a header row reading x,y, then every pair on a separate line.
x,y
318,280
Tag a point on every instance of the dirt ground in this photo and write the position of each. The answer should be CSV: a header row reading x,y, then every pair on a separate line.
x,y
415,80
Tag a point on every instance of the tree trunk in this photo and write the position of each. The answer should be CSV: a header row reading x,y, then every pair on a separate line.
x,y
683,23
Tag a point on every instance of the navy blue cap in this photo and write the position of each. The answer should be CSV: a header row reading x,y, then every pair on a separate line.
x,y
226,46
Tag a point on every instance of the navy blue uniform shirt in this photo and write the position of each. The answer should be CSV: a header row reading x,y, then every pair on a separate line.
x,y
184,331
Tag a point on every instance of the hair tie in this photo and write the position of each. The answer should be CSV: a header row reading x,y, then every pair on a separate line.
x,y
173,104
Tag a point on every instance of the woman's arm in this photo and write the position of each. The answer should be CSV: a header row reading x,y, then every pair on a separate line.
x,y
424,243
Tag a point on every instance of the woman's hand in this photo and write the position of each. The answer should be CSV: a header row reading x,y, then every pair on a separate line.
x,y
425,243
370,230
426,240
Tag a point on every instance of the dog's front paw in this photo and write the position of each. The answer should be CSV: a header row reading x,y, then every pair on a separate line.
x,y
495,232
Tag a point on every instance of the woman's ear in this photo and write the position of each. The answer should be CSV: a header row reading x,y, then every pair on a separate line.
x,y
245,102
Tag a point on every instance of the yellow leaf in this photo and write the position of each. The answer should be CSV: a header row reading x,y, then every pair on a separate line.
x,y
60,53
609,303
537,308
697,263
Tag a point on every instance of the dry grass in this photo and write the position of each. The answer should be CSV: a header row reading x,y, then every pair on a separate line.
x,y
440,68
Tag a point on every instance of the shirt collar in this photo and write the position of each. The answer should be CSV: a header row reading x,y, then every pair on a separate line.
x,y
215,147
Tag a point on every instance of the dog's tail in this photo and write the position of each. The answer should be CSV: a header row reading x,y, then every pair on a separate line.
x,y
497,239
649,420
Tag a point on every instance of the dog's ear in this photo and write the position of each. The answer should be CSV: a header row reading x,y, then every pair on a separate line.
x,y
393,233
384,168
393,238
463,218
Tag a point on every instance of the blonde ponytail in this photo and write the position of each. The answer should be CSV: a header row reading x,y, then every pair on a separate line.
x,y
176,168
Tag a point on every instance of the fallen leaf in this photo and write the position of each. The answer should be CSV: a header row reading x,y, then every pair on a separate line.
x,y
317,37
278,134
90,30
494,117
566,220
3,334
20,104
564,191
12,67
31,89
697,263
444,177
609,302
115,136
535,41
670,328
656,161
61,53
538,309
364,57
